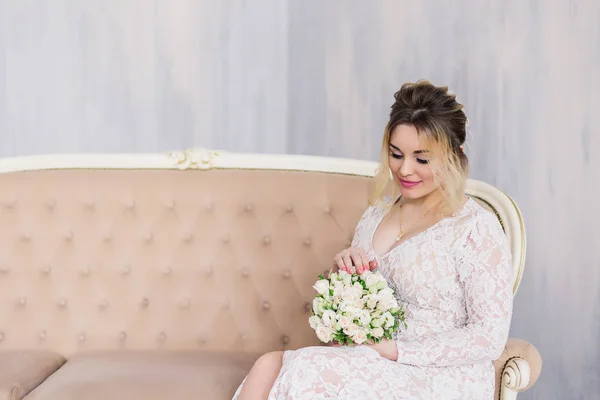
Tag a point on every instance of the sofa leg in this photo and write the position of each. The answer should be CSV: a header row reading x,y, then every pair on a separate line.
x,y
515,378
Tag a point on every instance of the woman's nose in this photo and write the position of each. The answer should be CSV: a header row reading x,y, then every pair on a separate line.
x,y
406,168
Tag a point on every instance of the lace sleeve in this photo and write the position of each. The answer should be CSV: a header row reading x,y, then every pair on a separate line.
x,y
484,269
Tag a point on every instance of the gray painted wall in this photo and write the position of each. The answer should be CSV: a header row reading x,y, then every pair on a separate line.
x,y
315,77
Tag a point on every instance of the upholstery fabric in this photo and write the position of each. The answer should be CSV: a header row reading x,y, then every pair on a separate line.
x,y
23,370
147,259
147,375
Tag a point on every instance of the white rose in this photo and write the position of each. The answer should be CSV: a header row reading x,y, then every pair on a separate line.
x,y
333,277
328,318
389,320
360,337
314,321
324,333
318,305
322,286
376,322
344,321
351,329
377,332
346,279
364,318
372,280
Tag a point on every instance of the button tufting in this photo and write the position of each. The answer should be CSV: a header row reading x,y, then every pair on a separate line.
x,y
85,272
184,304
46,270
26,237
287,274
1,336
162,337
4,269
226,239
148,237
244,337
144,303
249,207
171,204
68,236
266,305
10,204
328,209
42,335
188,237
267,240
21,301
289,208
122,336
246,272
307,242
208,270
203,338
167,271
108,237
209,206
226,304
81,338
126,270
130,205
90,205
307,307
62,303
103,303
285,339
51,204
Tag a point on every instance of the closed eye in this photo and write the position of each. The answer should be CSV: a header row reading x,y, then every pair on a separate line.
x,y
422,161
398,156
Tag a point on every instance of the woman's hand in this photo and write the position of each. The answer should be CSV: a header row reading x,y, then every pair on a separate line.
x,y
353,259
386,348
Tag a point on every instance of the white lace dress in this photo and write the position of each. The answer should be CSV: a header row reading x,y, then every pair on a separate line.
x,y
454,281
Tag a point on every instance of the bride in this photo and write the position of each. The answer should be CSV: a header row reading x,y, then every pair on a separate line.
x,y
447,259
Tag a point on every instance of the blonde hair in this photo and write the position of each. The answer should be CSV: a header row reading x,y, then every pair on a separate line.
x,y
442,125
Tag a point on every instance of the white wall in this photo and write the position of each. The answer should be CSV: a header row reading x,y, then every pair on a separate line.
x,y
315,77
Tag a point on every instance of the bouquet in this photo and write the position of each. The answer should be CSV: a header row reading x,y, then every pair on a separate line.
x,y
354,309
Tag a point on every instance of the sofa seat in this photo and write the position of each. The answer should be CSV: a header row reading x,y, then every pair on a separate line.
x,y
147,375
22,370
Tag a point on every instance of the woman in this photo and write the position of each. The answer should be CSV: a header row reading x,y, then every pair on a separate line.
x,y
447,259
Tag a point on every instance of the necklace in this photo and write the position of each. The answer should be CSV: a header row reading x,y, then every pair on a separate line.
x,y
401,233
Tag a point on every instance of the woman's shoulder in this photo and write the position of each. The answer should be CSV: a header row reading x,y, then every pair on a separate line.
x,y
475,220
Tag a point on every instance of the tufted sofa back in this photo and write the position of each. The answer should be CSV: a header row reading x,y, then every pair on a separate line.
x,y
169,251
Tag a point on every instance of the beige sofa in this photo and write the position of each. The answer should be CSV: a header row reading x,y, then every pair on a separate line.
x,y
164,276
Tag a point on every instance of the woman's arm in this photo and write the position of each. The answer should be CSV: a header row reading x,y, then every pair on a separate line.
x,y
484,268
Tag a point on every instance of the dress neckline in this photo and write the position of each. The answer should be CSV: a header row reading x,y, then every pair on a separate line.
x,y
381,215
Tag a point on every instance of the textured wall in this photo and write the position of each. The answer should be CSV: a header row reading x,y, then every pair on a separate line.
x,y
315,77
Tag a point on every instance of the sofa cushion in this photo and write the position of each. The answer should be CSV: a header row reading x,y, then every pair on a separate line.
x,y
147,375
22,370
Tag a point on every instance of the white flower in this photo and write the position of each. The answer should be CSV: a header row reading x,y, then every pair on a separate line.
x,y
323,333
351,329
322,286
344,321
373,279
370,301
314,321
328,318
377,332
346,279
376,322
333,277
364,318
360,337
318,305
389,320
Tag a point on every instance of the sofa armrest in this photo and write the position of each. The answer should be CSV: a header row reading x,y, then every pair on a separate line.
x,y
517,368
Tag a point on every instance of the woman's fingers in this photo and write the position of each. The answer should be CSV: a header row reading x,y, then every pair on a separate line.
x,y
354,260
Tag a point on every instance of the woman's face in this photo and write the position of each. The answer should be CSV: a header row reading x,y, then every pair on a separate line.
x,y
410,164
